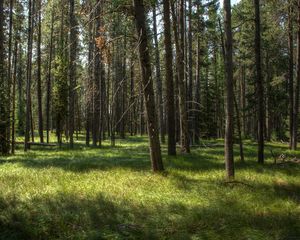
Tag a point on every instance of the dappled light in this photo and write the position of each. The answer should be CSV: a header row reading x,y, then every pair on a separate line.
x,y
110,193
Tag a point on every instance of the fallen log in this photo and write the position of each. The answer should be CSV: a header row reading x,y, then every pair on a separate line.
x,y
37,144
42,144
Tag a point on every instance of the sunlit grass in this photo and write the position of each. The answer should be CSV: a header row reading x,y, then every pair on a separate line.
x,y
110,193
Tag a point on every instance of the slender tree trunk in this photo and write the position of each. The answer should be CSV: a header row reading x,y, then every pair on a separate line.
x,y
268,118
190,66
3,119
185,145
4,146
72,70
159,93
48,99
132,97
259,84
28,78
89,89
169,79
9,78
229,156
14,98
97,80
141,30
291,71
238,123
198,77
296,102
179,43
39,62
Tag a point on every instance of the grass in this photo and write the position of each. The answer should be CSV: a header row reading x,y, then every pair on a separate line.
x,y
110,193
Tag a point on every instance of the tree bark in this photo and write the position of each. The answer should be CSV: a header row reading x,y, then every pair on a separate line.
x,y
229,157
48,99
179,43
297,88
169,79
145,65
259,84
4,142
28,78
159,93
72,70
291,71
39,62
14,98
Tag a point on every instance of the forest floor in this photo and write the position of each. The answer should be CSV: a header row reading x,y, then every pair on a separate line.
x,y
111,193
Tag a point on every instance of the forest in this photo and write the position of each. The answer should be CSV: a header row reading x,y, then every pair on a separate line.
x,y
149,119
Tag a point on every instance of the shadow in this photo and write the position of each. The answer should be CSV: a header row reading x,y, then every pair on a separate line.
x,y
80,162
67,216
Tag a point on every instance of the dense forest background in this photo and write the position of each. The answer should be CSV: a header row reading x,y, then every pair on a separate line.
x,y
180,71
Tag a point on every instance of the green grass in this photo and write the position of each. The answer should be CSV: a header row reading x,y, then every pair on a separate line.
x,y
110,193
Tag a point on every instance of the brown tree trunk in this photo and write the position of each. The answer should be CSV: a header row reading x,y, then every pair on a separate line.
x,y
198,77
159,94
190,83
14,98
28,78
179,43
141,30
291,71
89,90
48,99
4,148
169,79
39,62
297,88
96,80
72,70
229,157
259,84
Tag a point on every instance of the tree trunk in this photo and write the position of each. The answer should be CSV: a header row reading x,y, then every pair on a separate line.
x,y
145,65
14,98
4,84
169,79
48,99
179,43
72,70
229,157
291,71
39,62
259,84
159,93
190,66
28,78
198,77
297,88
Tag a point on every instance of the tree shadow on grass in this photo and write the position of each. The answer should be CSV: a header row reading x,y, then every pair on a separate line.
x,y
66,216
134,158
83,159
